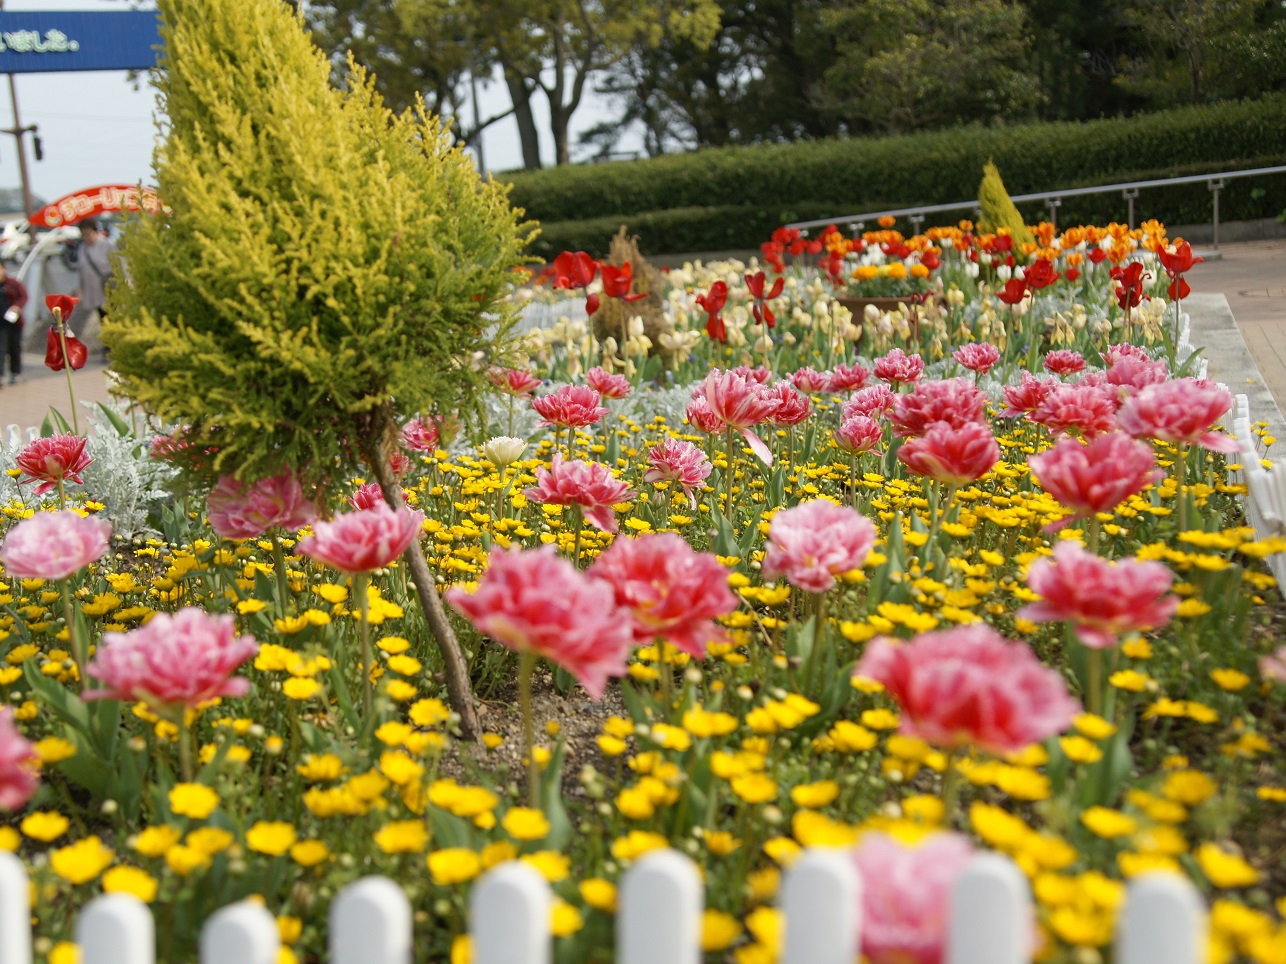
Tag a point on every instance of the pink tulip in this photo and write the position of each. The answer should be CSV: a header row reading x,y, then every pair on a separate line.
x,y
676,460
846,378
1084,409
1134,374
54,545
1181,411
899,368
1125,350
740,401
816,541
606,383
1097,477
1064,362
669,590
533,601
173,662
809,381
859,434
513,382
1026,396
874,402
758,374
1102,599
952,456
239,511
420,435
954,401
968,686
363,540
794,407
52,460
18,764
369,496
906,895
571,406
979,357
702,419
589,485
1273,665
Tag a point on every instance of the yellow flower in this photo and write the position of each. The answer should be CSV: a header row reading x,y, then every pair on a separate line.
x,y
82,861
1108,823
453,865
564,919
155,841
1189,787
1229,679
1080,750
309,853
300,688
997,827
636,843
1093,726
210,840
64,952
402,837
1224,869
273,838
53,749
130,880
462,949
193,800
754,787
551,865
44,826
783,850
400,768
1132,864
814,795
186,860
718,931
702,724
428,712
599,894
393,733
849,737
525,823
1130,679
880,719
318,767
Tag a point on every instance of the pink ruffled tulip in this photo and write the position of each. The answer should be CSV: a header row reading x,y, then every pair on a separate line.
x,y
816,541
1086,410
968,686
1063,362
239,511
906,895
606,383
740,401
955,402
676,460
421,435
859,435
1026,396
589,485
54,545
669,590
952,456
847,378
58,458
809,380
364,539
533,601
702,419
18,764
1097,477
979,357
1115,353
899,368
173,662
1103,599
1181,411
369,496
513,382
571,406
1132,374
794,407
874,402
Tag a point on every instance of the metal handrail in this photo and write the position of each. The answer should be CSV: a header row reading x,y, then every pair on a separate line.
x,y
1054,199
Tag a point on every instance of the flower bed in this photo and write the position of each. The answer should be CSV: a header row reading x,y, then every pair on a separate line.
x,y
989,588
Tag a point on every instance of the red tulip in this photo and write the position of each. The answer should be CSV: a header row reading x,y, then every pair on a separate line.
x,y
574,270
591,304
1013,292
617,281
77,353
930,260
1130,290
1040,275
1180,261
712,304
61,305
1097,255
763,314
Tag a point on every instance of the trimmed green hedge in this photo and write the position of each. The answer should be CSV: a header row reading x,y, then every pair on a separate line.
x,y
733,197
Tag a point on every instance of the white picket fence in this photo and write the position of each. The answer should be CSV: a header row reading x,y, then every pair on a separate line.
x,y
1265,489
1163,920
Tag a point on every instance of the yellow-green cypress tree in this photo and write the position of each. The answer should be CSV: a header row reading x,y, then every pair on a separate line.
x,y
328,269
998,211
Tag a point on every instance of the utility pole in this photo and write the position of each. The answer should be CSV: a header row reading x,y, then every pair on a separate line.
x,y
18,131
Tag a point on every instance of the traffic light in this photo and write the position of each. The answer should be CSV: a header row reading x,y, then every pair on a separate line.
x,y
38,147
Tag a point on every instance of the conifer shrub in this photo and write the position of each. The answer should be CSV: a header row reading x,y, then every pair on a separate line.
x,y
998,211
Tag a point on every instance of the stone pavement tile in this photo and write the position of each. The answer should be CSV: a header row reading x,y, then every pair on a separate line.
x,y
27,403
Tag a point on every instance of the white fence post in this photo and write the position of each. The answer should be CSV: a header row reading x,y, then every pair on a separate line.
x,y
509,916
243,933
370,923
15,912
991,914
822,899
116,929
659,920
1163,922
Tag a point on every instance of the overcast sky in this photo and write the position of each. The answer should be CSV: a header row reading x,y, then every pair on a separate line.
x,y
96,128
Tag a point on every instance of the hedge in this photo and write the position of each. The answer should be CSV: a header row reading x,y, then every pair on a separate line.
x,y
732,197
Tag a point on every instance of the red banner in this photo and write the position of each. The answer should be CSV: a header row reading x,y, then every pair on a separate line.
x,y
95,201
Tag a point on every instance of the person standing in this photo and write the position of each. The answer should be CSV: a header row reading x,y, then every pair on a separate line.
x,y
13,297
95,268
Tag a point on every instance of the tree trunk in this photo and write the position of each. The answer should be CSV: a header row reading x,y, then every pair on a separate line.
x,y
559,121
459,692
527,135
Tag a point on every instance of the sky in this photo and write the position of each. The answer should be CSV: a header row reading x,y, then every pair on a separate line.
x,y
96,128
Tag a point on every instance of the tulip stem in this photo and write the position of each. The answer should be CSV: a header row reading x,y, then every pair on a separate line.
x,y
526,666
578,523
727,502
364,634
279,565
62,338
77,644
1096,681
185,746
1181,472
950,789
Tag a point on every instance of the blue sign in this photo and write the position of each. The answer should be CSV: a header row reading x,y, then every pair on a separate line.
x,y
104,40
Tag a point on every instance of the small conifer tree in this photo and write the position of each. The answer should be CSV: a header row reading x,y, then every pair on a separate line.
x,y
998,211
329,268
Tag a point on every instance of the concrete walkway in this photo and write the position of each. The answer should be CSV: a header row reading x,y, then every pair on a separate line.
x,y
1250,275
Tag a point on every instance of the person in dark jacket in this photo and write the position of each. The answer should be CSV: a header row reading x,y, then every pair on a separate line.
x,y
13,297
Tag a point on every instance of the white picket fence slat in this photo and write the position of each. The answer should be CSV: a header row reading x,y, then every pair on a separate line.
x,y
1163,919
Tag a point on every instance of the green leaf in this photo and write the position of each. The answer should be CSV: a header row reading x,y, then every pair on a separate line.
x,y
551,798
123,428
69,707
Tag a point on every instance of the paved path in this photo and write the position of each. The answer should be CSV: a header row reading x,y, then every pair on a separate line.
x,y
1251,275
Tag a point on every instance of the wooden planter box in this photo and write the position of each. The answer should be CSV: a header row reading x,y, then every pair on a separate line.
x,y
858,306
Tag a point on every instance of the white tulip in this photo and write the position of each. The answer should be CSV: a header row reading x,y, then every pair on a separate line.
x,y
504,450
